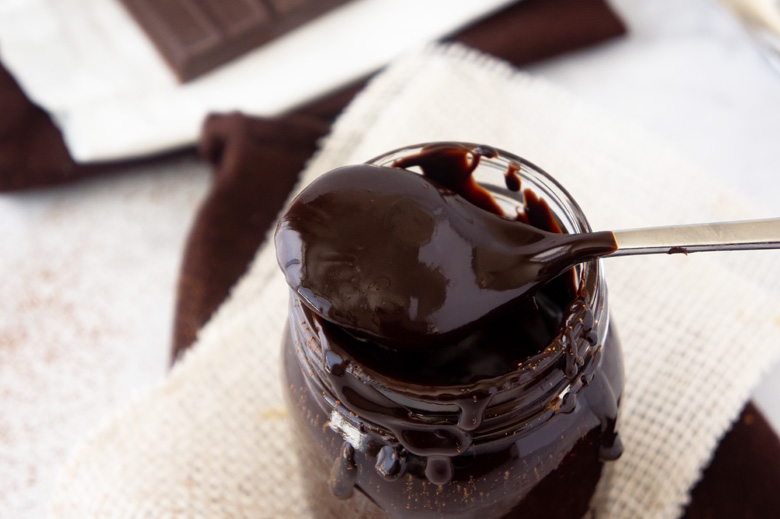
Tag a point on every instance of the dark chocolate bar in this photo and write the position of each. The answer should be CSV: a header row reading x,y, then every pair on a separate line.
x,y
195,36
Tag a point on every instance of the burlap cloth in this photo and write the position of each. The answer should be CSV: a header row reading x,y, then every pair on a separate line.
x,y
697,331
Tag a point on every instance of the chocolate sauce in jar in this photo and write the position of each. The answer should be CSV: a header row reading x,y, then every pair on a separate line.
x,y
497,420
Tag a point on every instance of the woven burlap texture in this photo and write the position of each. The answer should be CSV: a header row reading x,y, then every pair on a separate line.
x,y
698,331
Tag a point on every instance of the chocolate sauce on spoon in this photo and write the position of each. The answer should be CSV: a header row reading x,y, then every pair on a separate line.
x,y
387,266
411,260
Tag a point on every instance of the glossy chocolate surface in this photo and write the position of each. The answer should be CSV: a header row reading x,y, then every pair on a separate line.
x,y
493,423
413,261
195,36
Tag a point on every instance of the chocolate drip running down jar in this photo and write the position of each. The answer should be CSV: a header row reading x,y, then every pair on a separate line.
x,y
513,418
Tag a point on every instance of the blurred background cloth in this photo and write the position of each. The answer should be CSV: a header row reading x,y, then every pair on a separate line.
x,y
155,197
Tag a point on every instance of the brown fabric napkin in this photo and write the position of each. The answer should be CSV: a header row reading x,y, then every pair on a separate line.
x,y
744,475
32,151
257,161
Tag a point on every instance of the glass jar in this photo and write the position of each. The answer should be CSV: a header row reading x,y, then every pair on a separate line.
x,y
523,434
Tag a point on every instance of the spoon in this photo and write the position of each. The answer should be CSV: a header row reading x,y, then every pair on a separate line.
x,y
403,261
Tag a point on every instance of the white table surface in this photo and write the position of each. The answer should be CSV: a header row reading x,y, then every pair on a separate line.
x,y
687,71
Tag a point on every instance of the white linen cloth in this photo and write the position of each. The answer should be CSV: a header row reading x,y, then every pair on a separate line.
x,y
697,331
89,65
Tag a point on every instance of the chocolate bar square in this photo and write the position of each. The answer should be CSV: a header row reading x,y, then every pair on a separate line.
x,y
195,36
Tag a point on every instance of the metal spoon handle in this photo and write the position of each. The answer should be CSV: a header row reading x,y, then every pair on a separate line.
x,y
745,235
